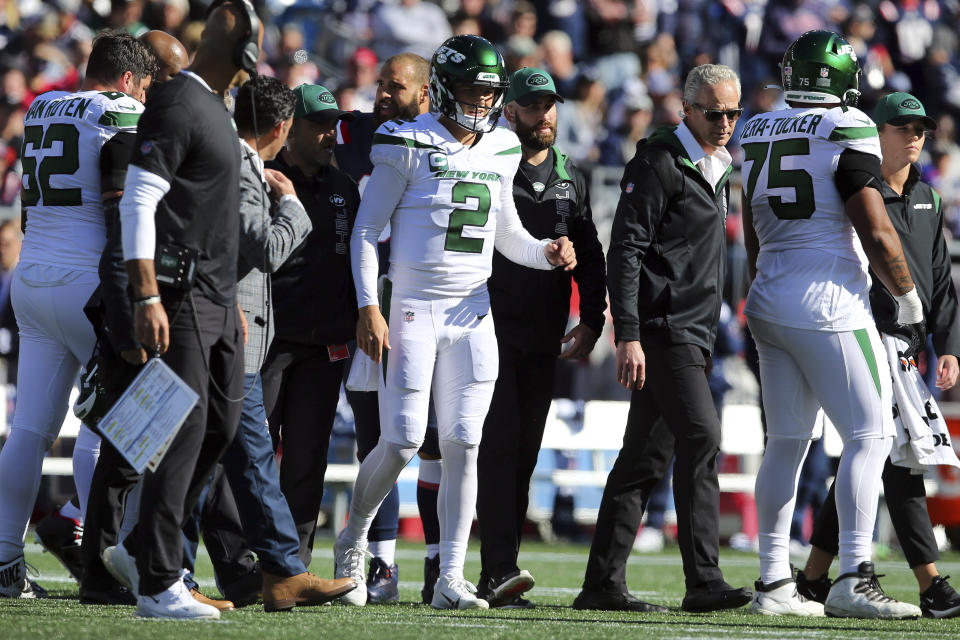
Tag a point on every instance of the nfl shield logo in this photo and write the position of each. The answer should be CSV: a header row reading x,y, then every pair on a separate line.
x,y
408,316
629,188
824,72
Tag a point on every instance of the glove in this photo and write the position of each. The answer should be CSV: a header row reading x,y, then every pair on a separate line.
x,y
916,337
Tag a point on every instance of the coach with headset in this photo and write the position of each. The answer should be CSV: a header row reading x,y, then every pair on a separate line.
x,y
180,206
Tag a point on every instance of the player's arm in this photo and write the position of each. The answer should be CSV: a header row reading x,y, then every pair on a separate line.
x,y
382,195
858,181
750,240
516,243
114,158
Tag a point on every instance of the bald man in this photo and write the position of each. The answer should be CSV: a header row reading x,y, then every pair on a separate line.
x,y
170,52
182,191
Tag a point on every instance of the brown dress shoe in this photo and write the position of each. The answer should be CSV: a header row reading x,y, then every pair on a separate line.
x,y
305,589
220,605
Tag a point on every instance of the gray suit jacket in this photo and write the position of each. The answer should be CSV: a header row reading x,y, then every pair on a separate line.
x,y
269,233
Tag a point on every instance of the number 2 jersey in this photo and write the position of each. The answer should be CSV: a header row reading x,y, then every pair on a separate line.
x,y
448,205
811,269
63,136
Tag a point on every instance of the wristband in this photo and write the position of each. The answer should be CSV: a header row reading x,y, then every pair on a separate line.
x,y
146,302
910,309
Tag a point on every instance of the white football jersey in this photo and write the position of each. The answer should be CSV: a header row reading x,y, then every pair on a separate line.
x,y
811,269
444,226
63,135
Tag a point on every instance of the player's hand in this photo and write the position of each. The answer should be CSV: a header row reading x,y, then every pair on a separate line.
x,y
372,333
947,370
583,340
280,185
134,356
915,336
560,253
243,324
631,364
152,327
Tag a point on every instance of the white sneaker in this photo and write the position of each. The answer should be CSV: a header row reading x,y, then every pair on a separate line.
x,y
858,595
780,598
14,582
456,593
649,540
122,566
175,602
350,561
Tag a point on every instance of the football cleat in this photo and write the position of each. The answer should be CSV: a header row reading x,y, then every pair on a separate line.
x,y
858,595
349,560
431,573
781,598
62,537
382,582
121,566
454,592
14,582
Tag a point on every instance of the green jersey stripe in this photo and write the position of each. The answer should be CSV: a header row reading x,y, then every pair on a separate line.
x,y
385,310
863,338
853,133
382,138
508,152
119,119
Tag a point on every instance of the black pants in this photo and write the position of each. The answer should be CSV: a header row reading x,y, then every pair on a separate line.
x,y
512,433
906,500
673,411
301,388
206,356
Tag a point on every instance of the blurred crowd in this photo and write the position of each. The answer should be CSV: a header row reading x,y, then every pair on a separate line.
x,y
618,63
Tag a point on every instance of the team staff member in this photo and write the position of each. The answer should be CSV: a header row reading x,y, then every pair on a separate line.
x,y
530,311
401,95
665,275
182,193
315,307
916,212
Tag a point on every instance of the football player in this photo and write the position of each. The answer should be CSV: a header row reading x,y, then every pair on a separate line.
x,y
444,182
75,152
811,189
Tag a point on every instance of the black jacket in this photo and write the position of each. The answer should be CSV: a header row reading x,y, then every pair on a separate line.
x,y
314,299
667,247
917,215
530,307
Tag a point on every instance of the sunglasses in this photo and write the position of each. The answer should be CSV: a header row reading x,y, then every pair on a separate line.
x,y
714,115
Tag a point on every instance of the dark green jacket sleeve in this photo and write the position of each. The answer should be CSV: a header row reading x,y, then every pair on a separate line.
x,y
590,272
942,316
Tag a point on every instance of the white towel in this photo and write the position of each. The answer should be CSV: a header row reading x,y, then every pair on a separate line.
x,y
363,370
922,436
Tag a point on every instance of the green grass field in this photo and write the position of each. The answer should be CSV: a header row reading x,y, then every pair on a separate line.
x,y
558,570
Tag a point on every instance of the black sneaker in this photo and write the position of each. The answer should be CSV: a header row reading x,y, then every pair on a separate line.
x,y
603,601
940,600
815,590
383,582
431,573
62,537
505,589
518,603
115,594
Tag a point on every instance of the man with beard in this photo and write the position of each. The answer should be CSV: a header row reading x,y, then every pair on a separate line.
x,y
531,310
401,95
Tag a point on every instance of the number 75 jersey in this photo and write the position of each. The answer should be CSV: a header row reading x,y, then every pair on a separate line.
x,y
444,227
63,135
811,269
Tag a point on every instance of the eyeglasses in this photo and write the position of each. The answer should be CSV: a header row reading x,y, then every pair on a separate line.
x,y
714,115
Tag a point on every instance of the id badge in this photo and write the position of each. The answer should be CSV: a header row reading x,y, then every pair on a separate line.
x,y
338,352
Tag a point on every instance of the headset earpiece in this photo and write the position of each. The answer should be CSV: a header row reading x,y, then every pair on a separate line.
x,y
246,53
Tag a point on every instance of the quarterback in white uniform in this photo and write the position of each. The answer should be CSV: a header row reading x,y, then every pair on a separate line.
x,y
445,184
65,173
811,190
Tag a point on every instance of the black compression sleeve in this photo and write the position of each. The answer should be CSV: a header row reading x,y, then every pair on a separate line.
x,y
114,158
855,171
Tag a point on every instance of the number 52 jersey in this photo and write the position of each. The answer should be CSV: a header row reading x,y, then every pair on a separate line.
x,y
63,135
811,269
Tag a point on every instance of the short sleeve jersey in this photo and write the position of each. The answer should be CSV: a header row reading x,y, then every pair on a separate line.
x,y
443,228
811,269
62,138
187,137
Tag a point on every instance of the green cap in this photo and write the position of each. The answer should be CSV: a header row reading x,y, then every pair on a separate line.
x,y
901,108
526,83
316,103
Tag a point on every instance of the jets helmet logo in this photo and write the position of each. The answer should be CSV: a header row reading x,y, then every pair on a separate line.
x,y
446,53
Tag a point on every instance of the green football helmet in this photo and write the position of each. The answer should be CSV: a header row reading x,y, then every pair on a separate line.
x,y
820,67
467,60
